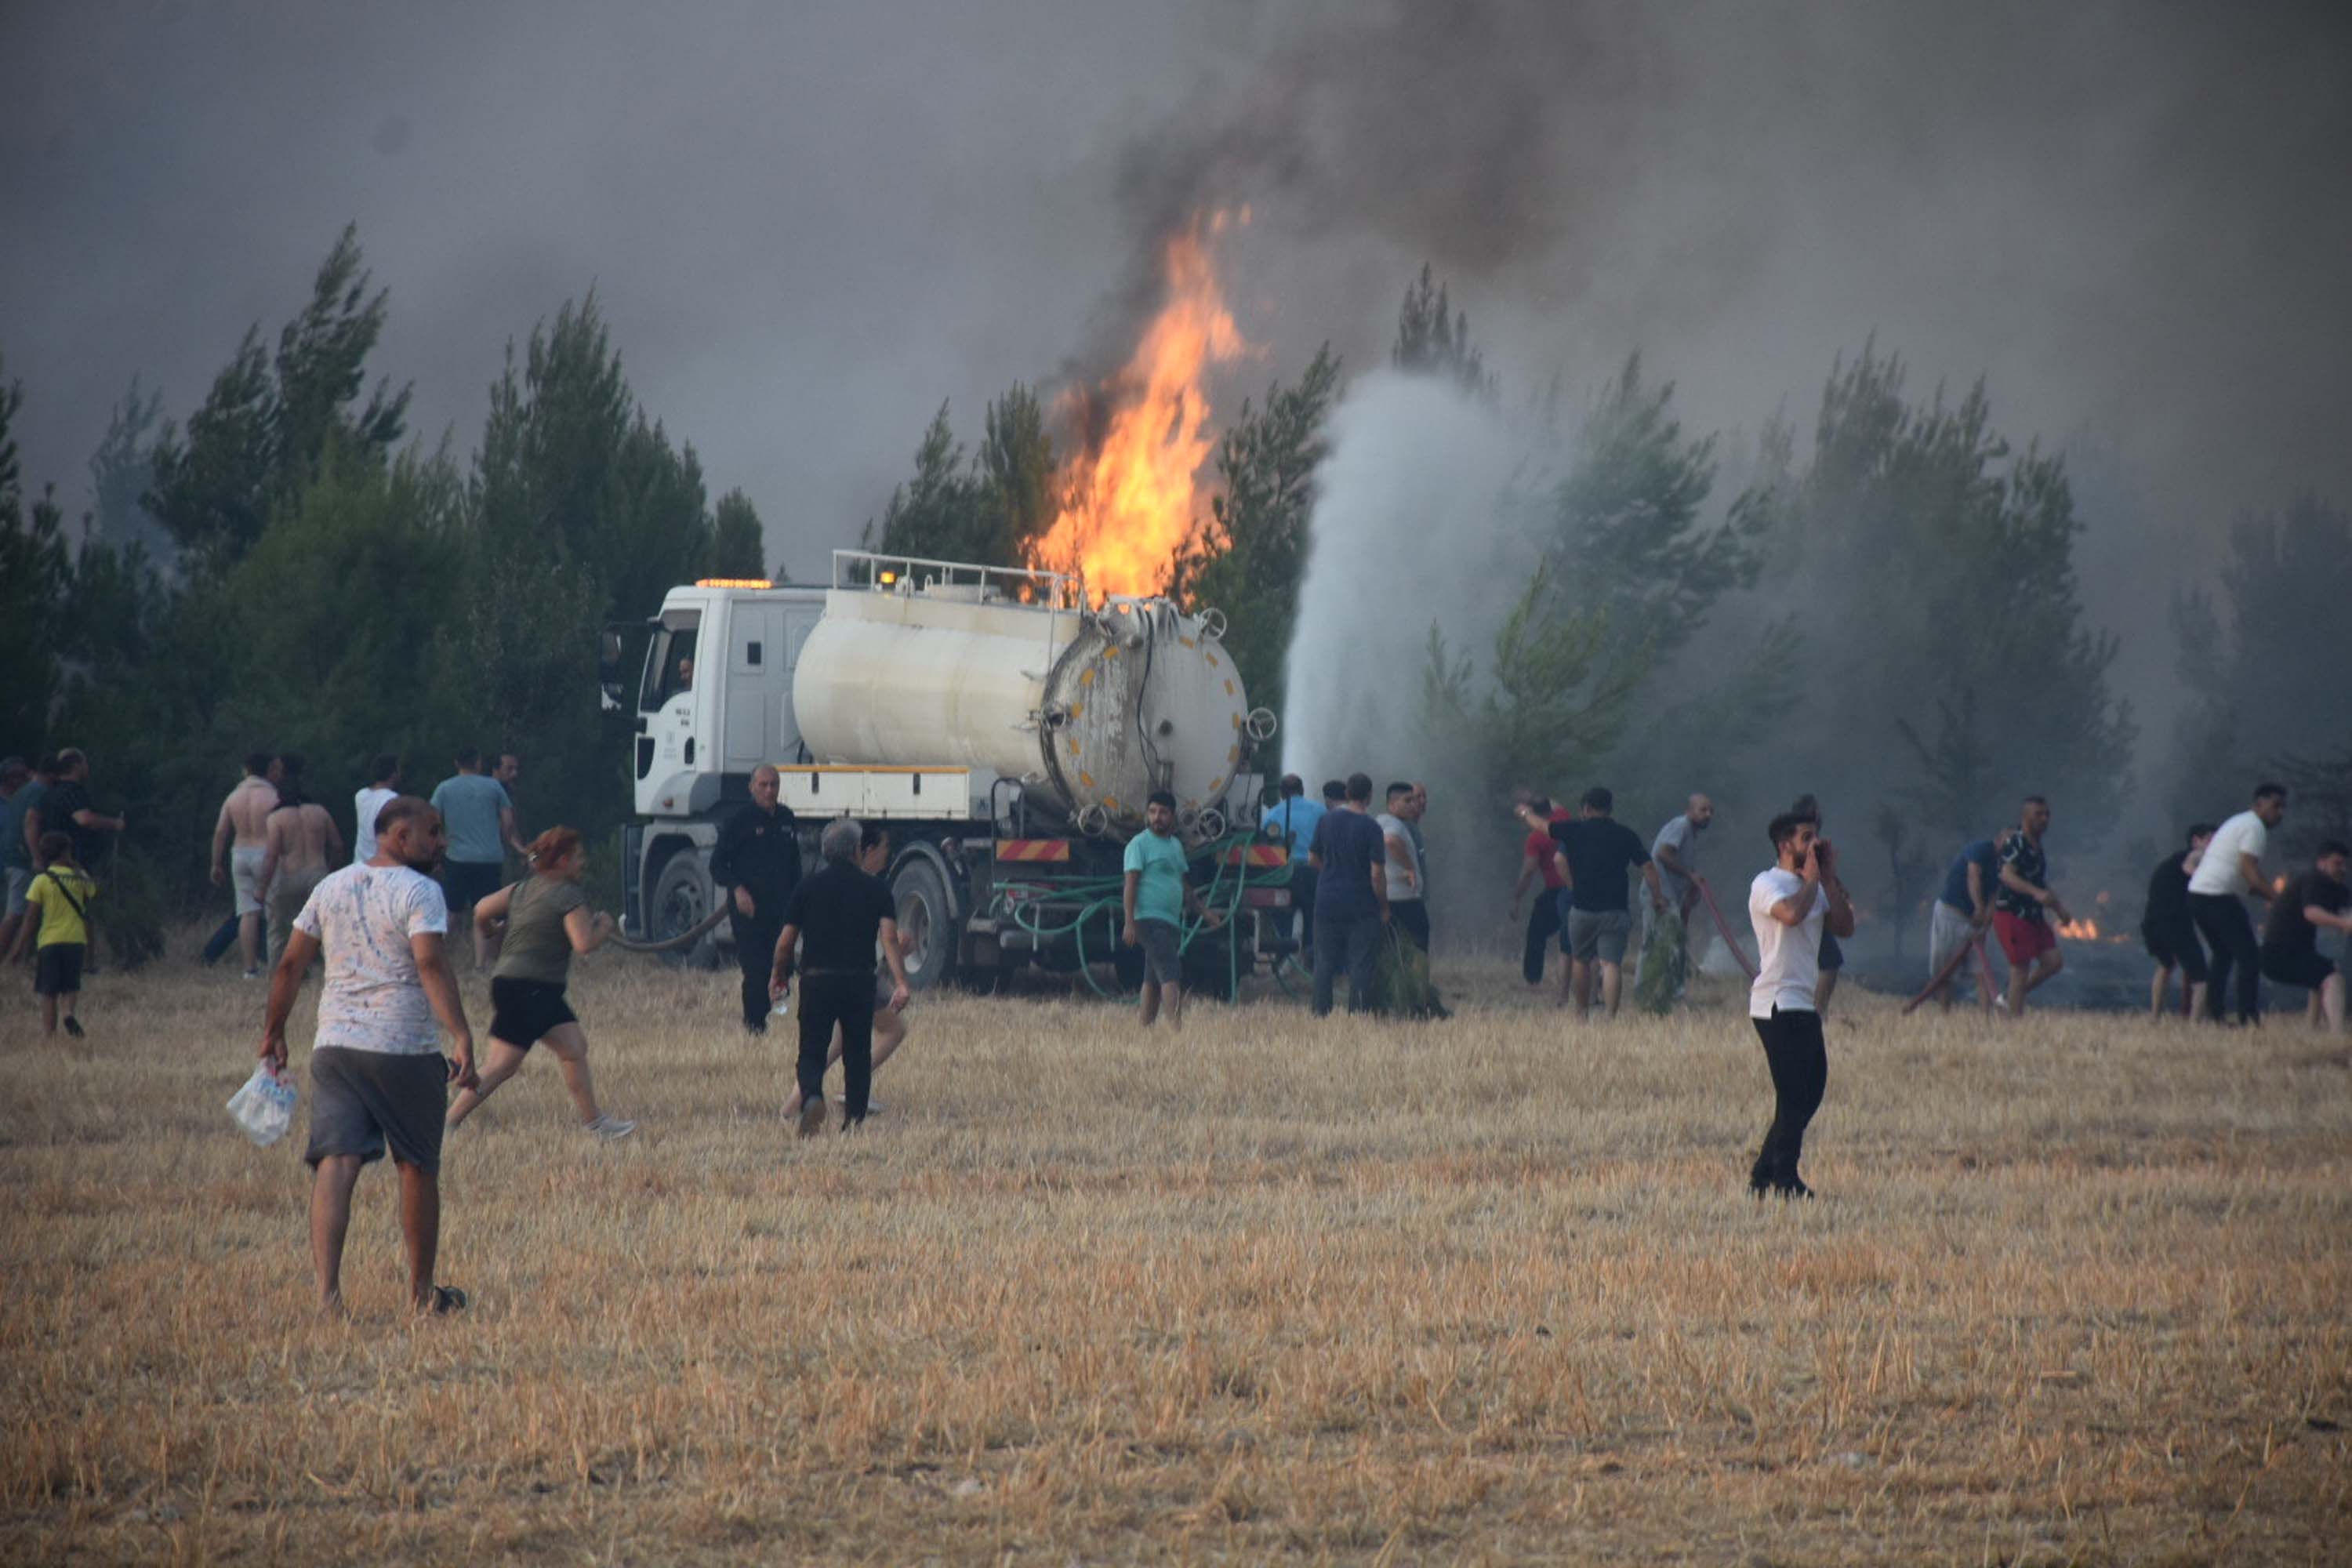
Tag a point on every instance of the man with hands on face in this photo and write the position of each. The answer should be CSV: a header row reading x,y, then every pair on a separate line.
x,y
1154,895
376,1074
1790,904
758,861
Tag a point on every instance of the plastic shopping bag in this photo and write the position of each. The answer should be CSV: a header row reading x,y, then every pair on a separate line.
x,y
264,1108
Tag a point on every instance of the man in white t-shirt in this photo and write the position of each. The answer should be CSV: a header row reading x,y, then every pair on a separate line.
x,y
2233,866
1403,869
376,1074
1791,905
367,802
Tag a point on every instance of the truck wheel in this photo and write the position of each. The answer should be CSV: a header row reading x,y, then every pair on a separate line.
x,y
683,894
926,924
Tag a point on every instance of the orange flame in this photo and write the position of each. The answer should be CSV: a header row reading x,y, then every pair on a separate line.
x,y
1132,503
2080,930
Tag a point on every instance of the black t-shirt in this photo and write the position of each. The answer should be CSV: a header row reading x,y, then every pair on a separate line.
x,y
839,912
1601,852
2168,896
1349,846
2286,928
2024,857
58,809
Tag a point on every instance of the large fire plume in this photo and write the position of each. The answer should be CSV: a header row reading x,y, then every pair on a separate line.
x,y
1130,500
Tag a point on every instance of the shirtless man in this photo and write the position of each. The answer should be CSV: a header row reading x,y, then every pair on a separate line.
x,y
303,846
245,818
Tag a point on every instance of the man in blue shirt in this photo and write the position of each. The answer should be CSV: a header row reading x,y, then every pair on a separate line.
x,y
1292,825
480,823
1962,913
1155,894
1352,902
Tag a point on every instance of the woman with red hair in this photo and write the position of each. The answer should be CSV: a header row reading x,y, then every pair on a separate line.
x,y
547,920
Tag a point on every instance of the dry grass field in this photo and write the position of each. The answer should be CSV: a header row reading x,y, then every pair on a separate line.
x,y
1481,1291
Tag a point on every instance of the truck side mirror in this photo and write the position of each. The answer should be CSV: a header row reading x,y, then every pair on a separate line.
x,y
609,648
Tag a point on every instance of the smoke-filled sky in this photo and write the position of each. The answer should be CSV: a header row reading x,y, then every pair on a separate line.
x,y
808,225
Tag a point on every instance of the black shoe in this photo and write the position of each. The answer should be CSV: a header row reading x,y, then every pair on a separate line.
x,y
1791,1187
73,1027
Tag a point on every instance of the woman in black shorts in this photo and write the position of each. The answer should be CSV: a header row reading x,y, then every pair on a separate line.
x,y
547,920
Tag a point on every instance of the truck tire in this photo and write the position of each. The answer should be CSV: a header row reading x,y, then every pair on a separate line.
x,y
927,923
683,894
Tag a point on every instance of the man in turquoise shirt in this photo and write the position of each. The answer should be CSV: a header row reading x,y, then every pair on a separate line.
x,y
479,818
1156,895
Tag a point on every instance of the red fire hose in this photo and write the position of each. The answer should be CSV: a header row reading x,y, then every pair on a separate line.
x,y
1952,966
1724,926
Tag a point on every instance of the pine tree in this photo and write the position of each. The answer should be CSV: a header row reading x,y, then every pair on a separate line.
x,y
738,544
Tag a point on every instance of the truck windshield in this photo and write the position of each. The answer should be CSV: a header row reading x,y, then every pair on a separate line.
x,y
669,664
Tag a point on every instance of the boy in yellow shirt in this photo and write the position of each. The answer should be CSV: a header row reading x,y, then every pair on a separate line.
x,y
60,895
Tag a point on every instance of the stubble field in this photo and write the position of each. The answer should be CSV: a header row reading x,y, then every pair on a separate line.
x,y
1485,1289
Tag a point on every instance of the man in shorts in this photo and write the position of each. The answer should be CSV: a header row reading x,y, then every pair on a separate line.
x,y
60,897
1962,915
377,1078
240,844
2168,930
481,829
1596,854
2023,904
1154,895
2291,936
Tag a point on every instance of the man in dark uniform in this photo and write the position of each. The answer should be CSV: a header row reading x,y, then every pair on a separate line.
x,y
758,861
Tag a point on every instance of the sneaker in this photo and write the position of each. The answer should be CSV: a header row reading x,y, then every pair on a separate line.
x,y
873,1106
446,1299
611,1129
73,1026
253,974
812,1116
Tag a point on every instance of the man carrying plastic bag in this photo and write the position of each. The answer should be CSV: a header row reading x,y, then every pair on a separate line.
x,y
377,1078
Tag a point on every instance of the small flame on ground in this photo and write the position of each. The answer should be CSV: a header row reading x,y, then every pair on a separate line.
x,y
1131,504
2080,930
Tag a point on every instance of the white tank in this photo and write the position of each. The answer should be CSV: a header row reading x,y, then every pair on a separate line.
x,y
1089,711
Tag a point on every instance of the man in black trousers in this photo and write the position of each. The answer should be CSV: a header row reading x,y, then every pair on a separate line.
x,y
758,861
1791,905
836,918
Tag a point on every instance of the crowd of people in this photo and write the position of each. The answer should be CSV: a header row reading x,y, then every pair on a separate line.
x,y
379,925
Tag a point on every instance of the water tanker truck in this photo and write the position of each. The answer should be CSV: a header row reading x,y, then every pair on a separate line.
x,y
1005,729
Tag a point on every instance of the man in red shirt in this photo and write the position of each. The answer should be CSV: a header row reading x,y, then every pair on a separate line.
x,y
1543,920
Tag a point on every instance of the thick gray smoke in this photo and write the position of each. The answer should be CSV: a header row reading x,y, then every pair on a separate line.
x,y
1480,134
